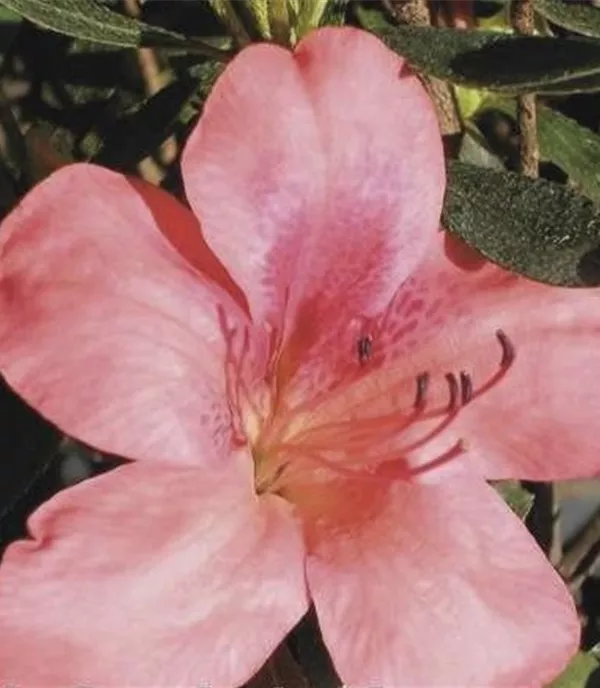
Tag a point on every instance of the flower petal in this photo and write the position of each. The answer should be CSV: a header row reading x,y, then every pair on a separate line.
x,y
537,420
105,329
319,185
429,591
151,576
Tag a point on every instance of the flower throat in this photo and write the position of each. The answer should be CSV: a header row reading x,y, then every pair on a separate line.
x,y
309,443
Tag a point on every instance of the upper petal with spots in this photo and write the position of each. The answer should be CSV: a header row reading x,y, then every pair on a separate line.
x,y
319,186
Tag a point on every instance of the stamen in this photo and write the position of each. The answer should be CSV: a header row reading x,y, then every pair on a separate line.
x,y
466,388
379,472
508,350
379,438
447,419
319,461
508,356
276,342
422,387
448,415
239,387
275,337
364,348
355,435
453,388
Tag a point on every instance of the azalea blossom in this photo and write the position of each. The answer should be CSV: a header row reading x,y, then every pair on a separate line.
x,y
313,384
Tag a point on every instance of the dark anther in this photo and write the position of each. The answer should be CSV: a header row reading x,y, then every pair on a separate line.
x,y
453,387
422,387
466,388
508,350
364,348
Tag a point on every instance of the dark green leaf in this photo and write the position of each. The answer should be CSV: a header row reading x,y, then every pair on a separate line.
x,y
492,60
516,496
81,86
205,74
563,141
8,17
13,151
573,148
93,21
584,84
473,150
538,228
577,16
335,13
28,446
147,125
578,672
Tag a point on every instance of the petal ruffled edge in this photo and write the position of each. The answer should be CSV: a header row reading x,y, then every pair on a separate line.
x,y
429,589
151,575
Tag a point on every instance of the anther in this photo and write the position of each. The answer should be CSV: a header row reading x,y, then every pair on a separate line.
x,y
364,348
466,387
508,350
422,387
454,390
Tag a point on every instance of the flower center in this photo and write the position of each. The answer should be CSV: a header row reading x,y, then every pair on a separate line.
x,y
348,431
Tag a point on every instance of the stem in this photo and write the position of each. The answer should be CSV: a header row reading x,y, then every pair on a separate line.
x,y
416,12
200,47
522,17
582,553
543,520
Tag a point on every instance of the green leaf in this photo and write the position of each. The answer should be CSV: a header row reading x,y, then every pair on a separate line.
x,y
584,84
8,17
9,26
226,12
577,16
578,672
29,444
492,60
334,13
145,126
516,496
93,21
13,151
574,148
563,141
259,10
537,228
473,150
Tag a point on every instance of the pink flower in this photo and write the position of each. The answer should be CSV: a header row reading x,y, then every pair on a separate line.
x,y
313,423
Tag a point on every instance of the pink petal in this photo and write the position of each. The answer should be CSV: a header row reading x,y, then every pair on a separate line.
x,y
151,576
105,329
318,184
439,585
538,421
